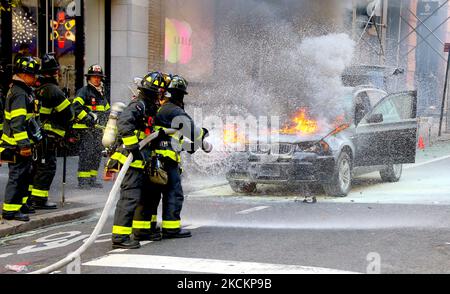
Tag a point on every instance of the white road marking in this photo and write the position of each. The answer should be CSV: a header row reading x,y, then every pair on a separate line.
x,y
6,255
200,265
118,250
247,211
426,162
192,227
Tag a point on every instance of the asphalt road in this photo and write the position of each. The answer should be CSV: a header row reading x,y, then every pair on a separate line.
x,y
388,228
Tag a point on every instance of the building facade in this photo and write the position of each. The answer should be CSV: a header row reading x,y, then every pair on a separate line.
x,y
194,37
74,30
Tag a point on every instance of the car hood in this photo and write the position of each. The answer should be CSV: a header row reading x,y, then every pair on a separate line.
x,y
293,139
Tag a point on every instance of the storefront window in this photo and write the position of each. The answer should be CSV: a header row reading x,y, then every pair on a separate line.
x,y
41,26
25,28
62,34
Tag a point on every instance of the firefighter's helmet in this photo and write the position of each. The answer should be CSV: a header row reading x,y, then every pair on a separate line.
x,y
178,84
95,71
153,83
27,65
167,79
49,63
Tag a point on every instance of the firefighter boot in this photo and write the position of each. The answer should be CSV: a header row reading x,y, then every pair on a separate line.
x,y
18,216
27,209
175,233
84,184
150,235
43,204
94,184
124,242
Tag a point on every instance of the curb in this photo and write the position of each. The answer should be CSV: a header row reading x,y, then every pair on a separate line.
x,y
8,228
14,227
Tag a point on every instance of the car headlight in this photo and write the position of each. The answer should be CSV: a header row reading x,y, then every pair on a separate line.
x,y
320,147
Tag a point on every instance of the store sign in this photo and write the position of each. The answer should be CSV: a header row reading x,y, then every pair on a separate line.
x,y
427,8
178,41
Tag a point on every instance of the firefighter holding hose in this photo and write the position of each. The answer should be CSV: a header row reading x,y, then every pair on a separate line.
x,y
189,138
133,127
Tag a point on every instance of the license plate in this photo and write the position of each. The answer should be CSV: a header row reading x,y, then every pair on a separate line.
x,y
268,171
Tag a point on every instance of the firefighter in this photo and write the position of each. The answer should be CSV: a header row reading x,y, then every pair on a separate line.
x,y
172,115
21,130
56,117
132,125
145,218
91,113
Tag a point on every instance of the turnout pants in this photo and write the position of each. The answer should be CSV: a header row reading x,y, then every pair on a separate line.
x,y
44,170
135,192
172,197
18,182
90,155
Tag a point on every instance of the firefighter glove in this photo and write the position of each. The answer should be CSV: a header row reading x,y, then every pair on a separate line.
x,y
161,133
91,119
134,149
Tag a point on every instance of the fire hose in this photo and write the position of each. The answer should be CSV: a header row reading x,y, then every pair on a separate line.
x,y
112,199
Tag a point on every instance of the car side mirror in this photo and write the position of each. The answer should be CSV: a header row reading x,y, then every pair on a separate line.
x,y
375,118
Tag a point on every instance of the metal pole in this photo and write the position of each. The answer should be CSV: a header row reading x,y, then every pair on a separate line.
x,y
384,27
354,20
398,43
46,30
444,96
53,29
63,195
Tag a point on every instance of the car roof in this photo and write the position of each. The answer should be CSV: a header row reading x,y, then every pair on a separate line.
x,y
364,88
364,69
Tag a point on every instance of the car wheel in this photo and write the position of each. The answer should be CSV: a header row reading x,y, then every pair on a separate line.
x,y
241,187
392,173
341,180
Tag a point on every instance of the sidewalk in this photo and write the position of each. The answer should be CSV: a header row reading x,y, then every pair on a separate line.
x,y
80,203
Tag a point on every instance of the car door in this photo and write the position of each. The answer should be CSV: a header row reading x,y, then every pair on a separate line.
x,y
388,133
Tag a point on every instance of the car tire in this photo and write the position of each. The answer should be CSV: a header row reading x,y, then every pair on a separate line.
x,y
392,173
341,180
241,187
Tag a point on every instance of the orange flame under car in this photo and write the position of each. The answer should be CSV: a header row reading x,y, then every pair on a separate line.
x,y
301,123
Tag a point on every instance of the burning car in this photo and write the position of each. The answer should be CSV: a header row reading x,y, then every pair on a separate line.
x,y
377,134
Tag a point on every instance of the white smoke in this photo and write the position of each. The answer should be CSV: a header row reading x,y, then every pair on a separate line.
x,y
322,60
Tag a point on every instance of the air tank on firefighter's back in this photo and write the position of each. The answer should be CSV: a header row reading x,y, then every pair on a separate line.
x,y
110,134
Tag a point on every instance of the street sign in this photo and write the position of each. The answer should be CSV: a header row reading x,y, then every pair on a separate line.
x,y
426,8
447,47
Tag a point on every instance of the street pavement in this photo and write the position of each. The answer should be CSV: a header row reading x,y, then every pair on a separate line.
x,y
379,228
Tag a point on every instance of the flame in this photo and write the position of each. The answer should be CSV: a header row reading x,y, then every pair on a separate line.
x,y
301,124
231,135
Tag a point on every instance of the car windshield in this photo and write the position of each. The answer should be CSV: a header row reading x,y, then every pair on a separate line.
x,y
347,104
